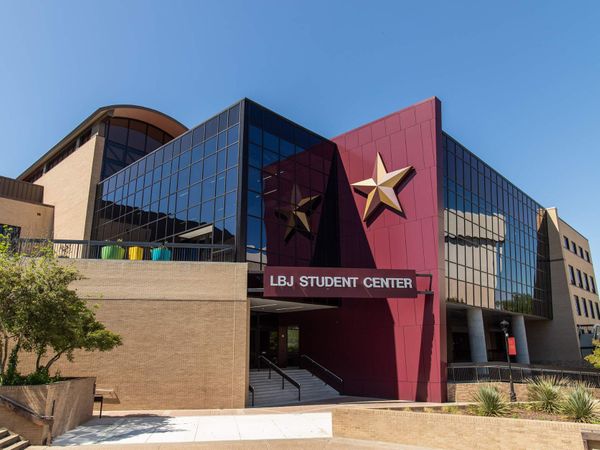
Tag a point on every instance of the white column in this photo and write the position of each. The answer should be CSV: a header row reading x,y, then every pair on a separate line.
x,y
476,335
518,329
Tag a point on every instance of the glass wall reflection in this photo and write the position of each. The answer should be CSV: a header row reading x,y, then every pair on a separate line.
x,y
184,191
496,242
288,173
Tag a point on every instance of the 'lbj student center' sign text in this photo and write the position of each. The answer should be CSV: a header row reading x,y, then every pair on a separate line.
x,y
336,282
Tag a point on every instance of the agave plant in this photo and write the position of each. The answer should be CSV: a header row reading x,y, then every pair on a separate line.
x,y
490,402
580,405
546,392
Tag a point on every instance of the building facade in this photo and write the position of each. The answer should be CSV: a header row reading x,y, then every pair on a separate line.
x,y
249,186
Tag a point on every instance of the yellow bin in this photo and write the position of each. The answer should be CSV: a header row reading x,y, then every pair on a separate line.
x,y
136,253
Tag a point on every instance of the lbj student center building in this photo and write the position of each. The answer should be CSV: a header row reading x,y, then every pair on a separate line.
x,y
381,258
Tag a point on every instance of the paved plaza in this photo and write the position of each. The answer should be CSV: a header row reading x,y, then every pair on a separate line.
x,y
158,429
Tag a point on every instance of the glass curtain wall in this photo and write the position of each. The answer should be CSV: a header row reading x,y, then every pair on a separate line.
x,y
128,140
496,239
288,170
184,191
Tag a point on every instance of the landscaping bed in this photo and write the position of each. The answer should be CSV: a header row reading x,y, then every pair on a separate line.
x,y
521,410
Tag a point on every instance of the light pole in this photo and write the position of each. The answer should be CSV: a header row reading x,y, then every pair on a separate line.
x,y
504,325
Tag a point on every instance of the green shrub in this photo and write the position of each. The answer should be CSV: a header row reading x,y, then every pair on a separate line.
x,y
490,402
40,376
579,405
547,392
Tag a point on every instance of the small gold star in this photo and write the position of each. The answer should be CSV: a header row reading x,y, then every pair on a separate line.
x,y
297,214
380,189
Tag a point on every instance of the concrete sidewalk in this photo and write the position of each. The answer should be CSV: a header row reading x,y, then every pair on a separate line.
x,y
207,428
298,426
290,444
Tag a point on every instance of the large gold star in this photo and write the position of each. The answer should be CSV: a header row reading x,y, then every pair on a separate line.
x,y
297,214
381,188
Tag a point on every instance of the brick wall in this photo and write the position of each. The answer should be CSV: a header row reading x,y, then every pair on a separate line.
x,y
35,433
184,328
69,402
451,431
35,220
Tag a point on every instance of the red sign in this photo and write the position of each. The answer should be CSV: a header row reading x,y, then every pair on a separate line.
x,y
336,282
512,346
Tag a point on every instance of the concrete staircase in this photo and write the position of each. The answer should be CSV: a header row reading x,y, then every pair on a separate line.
x,y
269,393
11,441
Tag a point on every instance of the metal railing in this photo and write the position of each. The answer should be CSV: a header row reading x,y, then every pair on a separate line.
x,y
251,390
485,373
76,249
322,372
284,376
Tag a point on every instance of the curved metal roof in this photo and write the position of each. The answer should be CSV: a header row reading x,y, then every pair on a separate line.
x,y
148,115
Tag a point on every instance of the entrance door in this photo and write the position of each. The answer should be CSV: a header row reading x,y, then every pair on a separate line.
x,y
289,346
278,343
293,345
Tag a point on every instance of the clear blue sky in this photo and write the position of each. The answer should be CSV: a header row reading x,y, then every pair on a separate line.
x,y
519,81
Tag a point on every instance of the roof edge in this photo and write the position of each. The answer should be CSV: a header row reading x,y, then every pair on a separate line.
x,y
92,118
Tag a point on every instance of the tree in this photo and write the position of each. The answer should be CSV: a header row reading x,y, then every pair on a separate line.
x,y
40,314
594,358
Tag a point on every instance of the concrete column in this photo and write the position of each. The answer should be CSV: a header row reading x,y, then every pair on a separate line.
x,y
518,329
476,335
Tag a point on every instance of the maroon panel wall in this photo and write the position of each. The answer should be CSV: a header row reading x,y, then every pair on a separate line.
x,y
393,348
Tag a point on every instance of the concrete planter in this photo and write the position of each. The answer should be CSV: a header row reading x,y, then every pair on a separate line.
x,y
45,411
455,431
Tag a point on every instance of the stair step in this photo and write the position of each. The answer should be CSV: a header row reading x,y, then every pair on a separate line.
x,y
9,440
3,432
268,392
18,446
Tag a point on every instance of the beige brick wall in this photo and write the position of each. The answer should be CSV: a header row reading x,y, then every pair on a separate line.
x,y
555,340
70,402
185,329
34,219
71,188
35,433
450,431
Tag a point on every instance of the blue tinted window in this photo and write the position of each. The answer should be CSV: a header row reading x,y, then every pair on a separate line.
x,y
230,203
255,204
232,134
222,140
255,155
221,183
184,178
208,188
195,194
184,159
271,142
196,173
232,179
221,160
210,146
219,207
210,166
207,214
255,135
232,155
197,153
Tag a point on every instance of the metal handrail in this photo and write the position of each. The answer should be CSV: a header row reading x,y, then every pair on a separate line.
x,y
92,249
251,389
284,376
486,372
324,369
129,243
25,411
